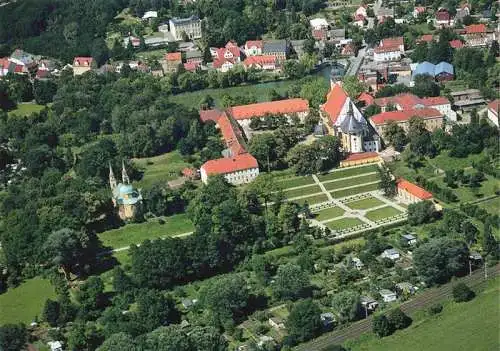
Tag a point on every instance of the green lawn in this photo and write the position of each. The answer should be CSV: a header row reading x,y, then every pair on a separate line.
x,y
492,206
23,303
315,199
446,162
160,168
382,213
466,194
26,109
459,327
302,191
260,91
328,213
136,233
365,203
344,173
355,191
352,181
343,223
296,181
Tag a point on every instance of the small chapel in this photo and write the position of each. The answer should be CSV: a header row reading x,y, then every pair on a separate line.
x,y
126,198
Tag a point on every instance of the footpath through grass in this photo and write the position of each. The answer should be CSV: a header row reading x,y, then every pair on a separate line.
x,y
160,168
26,109
473,325
136,233
25,302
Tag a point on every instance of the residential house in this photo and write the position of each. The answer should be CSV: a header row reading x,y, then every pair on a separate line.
x,y
456,44
344,120
409,101
348,50
410,193
336,4
263,62
191,66
320,34
442,18
288,108
278,48
22,62
493,108
462,12
369,303
406,288
297,47
425,38
389,49
4,66
277,323
418,10
409,239
194,56
391,254
225,58
191,26
359,20
171,62
82,64
361,11
318,23
477,35
383,13
468,99
253,48
388,295
443,71
55,345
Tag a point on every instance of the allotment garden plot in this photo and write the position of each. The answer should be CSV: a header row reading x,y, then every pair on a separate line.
x,y
346,201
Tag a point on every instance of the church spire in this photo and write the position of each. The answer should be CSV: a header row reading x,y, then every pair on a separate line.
x,y
125,179
112,179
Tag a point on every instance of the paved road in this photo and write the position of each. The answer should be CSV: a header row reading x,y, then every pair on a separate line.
x,y
421,301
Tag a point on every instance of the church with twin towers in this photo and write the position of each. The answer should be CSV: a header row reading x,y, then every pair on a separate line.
x,y
125,197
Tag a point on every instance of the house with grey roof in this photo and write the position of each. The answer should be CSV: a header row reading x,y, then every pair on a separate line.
x,y
277,48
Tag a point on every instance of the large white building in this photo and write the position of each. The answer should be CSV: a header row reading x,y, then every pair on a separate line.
x,y
191,26
410,193
493,108
240,169
409,101
389,49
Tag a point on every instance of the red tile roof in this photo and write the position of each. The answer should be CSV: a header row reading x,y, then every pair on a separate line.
x,y
191,66
334,102
359,17
366,98
413,189
405,115
253,43
348,50
319,34
173,56
82,61
4,62
434,101
420,9
426,37
396,41
361,156
231,134
260,60
19,69
218,63
456,44
382,49
272,107
494,106
475,28
230,165
210,115
234,50
442,15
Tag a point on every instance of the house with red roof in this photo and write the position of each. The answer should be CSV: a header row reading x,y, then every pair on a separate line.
x,y
389,49
4,66
476,35
191,66
456,44
425,38
359,20
83,64
225,58
344,120
410,193
171,62
493,108
366,98
432,118
253,48
348,50
418,10
442,18
360,159
262,62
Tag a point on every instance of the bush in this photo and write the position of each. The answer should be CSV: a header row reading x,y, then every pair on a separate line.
x,y
462,293
399,319
435,309
381,326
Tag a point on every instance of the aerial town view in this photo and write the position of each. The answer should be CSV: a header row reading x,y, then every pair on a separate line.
x,y
245,175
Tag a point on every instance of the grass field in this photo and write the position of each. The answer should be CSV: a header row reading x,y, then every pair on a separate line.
x,y
354,191
159,168
260,91
364,203
296,181
331,212
311,200
343,223
25,302
382,213
136,233
492,206
313,189
459,327
351,181
347,172
26,109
